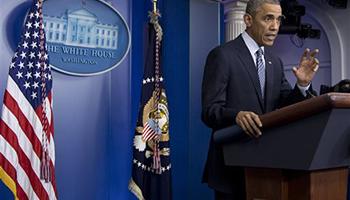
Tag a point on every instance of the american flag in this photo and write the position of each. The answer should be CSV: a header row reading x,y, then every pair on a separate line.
x,y
150,131
27,152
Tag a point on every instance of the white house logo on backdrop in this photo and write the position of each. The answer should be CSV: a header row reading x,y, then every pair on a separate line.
x,y
80,28
84,37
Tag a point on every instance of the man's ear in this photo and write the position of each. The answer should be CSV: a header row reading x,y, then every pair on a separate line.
x,y
248,20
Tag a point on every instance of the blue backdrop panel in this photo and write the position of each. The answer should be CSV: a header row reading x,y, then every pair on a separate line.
x,y
176,72
204,35
81,107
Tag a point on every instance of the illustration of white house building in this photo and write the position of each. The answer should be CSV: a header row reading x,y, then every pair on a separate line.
x,y
80,28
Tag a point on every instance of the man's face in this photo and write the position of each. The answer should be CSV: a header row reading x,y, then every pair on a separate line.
x,y
264,25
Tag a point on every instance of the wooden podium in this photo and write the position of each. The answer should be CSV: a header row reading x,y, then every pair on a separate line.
x,y
303,154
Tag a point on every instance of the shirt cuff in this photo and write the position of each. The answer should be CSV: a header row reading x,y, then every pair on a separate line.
x,y
303,89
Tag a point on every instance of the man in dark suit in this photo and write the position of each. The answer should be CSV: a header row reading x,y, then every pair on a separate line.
x,y
242,80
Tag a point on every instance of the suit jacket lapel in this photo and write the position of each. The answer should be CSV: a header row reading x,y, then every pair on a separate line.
x,y
269,80
249,65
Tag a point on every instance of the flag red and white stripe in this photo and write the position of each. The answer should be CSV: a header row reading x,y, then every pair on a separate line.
x,y
148,132
20,145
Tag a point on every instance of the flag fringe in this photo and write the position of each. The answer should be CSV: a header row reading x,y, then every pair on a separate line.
x,y
134,188
8,181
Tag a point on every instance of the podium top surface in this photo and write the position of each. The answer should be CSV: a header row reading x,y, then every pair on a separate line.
x,y
305,108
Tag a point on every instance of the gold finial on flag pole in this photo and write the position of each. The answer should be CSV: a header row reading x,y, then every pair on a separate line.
x,y
154,6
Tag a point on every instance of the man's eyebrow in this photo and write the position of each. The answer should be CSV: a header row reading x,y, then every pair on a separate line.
x,y
272,15
278,17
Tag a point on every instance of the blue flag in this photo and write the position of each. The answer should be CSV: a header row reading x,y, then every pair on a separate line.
x,y
151,167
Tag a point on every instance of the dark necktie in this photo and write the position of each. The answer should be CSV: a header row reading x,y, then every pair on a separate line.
x,y
261,69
